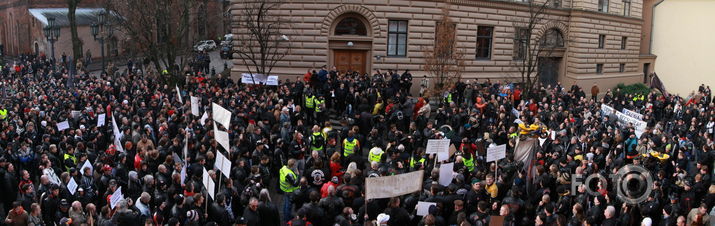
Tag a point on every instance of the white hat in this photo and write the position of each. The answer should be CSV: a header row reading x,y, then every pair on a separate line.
x,y
43,123
125,102
383,218
81,126
647,222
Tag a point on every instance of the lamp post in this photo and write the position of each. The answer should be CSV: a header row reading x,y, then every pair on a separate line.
x,y
101,30
52,33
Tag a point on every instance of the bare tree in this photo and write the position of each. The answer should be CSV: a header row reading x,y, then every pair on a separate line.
x,y
526,45
260,43
76,42
444,61
159,29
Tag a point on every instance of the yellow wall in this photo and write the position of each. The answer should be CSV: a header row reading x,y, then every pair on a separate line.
x,y
684,41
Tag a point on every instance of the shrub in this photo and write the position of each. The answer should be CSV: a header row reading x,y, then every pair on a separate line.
x,y
636,88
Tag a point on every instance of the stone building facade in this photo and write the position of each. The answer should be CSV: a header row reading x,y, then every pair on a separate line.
x,y
594,41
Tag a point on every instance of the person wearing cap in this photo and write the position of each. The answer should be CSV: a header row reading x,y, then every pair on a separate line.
x,y
375,154
288,183
51,204
309,104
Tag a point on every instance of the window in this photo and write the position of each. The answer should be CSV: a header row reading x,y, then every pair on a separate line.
x,y
520,36
397,38
624,40
622,67
351,26
626,7
445,39
603,6
552,38
484,42
556,3
601,41
599,68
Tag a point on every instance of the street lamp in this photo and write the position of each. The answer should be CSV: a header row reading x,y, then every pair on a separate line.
x,y
101,31
52,33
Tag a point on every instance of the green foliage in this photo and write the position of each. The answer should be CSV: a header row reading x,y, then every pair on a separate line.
x,y
636,88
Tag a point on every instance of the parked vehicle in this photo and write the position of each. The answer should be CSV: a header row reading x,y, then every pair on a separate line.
x,y
205,45
227,51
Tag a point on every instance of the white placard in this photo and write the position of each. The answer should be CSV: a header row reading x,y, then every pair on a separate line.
x,y
515,112
624,119
72,186
272,80
176,158
224,164
86,165
205,178
101,120
63,125
203,118
117,133
423,208
75,114
437,146
178,93
183,174
195,105
221,138
211,188
446,173
221,115
392,186
219,160
116,197
496,153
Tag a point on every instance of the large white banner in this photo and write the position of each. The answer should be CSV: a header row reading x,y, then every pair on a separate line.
x,y
624,119
195,105
259,79
633,114
392,186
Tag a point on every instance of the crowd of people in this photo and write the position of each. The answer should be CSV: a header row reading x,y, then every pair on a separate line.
x,y
301,151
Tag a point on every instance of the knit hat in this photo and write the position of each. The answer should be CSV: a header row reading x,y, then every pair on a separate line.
x,y
192,215
383,218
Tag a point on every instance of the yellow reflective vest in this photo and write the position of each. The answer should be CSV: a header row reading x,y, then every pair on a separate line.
x,y
284,185
319,105
309,101
349,147
3,114
375,154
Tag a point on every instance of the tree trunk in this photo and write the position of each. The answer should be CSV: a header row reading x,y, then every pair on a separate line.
x,y
76,42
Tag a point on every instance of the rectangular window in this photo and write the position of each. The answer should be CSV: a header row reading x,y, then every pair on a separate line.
x,y
626,7
397,38
484,42
603,6
520,36
624,40
601,41
599,68
622,67
556,3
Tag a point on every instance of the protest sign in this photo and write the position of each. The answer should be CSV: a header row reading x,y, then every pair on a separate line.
x,y
633,114
72,186
423,208
86,165
392,186
439,147
221,137
101,119
63,125
496,153
195,105
221,115
446,173
116,197
178,93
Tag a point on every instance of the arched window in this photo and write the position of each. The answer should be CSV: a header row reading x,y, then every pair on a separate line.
x,y
350,26
552,38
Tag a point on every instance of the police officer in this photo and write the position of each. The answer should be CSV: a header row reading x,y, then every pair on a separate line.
x,y
350,145
317,140
309,102
375,154
288,181
319,109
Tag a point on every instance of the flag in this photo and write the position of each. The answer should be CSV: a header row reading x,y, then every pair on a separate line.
x,y
655,83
